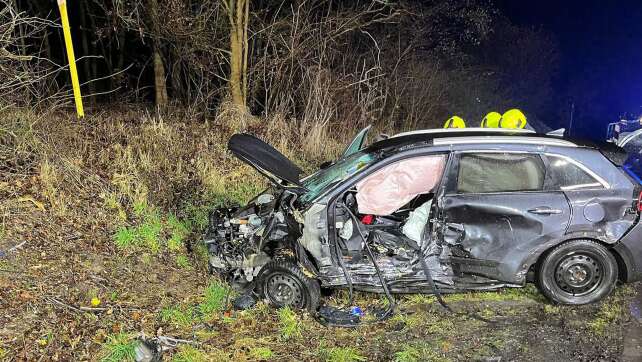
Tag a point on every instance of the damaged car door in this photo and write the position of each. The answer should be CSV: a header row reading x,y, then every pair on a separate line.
x,y
499,202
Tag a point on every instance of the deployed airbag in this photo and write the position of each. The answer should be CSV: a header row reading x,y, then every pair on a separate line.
x,y
417,221
388,189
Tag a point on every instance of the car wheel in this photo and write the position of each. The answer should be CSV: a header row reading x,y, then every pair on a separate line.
x,y
283,283
577,272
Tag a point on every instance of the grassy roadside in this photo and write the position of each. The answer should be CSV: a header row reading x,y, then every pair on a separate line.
x,y
111,210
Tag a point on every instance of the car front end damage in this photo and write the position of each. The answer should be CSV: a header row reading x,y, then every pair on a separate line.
x,y
242,240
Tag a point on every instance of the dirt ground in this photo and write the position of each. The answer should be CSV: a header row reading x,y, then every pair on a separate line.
x,y
47,285
100,224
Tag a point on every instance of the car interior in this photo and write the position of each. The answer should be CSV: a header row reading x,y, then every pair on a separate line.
x,y
392,215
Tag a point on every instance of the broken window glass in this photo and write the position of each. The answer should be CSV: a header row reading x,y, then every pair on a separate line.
x,y
322,180
500,172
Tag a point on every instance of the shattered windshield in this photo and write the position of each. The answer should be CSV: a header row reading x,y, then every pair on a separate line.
x,y
340,170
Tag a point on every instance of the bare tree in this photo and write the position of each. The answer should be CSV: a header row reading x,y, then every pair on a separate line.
x,y
25,75
238,12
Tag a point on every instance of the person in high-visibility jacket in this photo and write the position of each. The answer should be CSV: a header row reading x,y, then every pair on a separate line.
x,y
491,120
455,122
513,118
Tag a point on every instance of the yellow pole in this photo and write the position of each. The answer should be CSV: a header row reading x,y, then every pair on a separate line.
x,y
62,5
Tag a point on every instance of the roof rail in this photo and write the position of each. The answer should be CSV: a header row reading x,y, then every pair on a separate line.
x,y
504,139
466,130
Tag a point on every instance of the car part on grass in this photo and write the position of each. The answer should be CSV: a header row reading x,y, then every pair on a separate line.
x,y
335,317
151,349
148,351
245,301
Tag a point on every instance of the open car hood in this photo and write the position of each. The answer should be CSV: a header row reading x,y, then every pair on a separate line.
x,y
265,159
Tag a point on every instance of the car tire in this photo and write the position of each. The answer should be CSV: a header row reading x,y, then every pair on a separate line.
x,y
577,272
283,283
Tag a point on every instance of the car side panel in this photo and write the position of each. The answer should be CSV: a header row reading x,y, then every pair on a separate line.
x,y
500,232
604,212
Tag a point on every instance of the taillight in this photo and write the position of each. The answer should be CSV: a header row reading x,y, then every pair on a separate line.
x,y
369,219
640,202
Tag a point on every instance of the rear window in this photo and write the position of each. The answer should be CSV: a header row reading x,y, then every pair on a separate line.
x,y
500,172
566,175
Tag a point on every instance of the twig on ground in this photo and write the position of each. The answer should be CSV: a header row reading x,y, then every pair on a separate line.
x,y
93,309
56,301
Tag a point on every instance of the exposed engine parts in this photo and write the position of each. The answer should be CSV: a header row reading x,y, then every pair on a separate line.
x,y
238,239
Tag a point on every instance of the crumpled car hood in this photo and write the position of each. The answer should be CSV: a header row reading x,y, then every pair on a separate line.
x,y
265,159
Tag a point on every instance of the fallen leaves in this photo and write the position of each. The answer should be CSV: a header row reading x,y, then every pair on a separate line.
x,y
28,198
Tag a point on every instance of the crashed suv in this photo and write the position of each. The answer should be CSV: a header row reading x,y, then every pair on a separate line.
x,y
435,211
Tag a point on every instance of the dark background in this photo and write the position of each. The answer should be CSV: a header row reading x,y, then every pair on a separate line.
x,y
553,59
600,44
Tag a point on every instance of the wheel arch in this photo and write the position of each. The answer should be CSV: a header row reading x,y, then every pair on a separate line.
x,y
622,266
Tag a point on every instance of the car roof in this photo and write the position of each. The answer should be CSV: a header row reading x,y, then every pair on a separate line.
x,y
465,131
467,135
459,136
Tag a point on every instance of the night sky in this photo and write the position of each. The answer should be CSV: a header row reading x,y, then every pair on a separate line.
x,y
600,69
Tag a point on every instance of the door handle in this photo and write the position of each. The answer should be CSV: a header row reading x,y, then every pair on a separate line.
x,y
544,211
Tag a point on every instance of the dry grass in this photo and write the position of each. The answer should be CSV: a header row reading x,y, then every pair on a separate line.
x,y
110,209
133,157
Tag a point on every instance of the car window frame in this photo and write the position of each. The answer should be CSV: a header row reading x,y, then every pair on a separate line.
x,y
453,173
553,185
331,197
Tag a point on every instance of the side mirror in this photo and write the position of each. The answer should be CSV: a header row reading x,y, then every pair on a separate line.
x,y
326,164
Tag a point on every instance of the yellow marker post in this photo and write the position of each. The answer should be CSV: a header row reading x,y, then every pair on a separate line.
x,y
62,5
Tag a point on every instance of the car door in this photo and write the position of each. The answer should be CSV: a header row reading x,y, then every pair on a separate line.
x,y
497,205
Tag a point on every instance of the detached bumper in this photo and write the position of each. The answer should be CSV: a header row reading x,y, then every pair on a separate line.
x,y
630,251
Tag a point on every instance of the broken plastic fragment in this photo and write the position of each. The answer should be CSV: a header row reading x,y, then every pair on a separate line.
x,y
367,219
356,311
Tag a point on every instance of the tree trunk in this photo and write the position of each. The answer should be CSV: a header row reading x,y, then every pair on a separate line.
x,y
160,85
85,49
238,14
159,79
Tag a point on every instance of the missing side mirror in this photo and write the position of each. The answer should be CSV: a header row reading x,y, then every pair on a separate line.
x,y
326,164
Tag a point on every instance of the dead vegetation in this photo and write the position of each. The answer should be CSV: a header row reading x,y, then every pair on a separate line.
x,y
107,214
100,219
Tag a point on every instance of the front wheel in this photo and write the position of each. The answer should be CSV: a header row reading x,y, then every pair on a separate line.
x,y
577,272
283,283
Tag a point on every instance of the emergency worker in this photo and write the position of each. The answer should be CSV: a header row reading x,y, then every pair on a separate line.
x,y
455,122
491,120
513,118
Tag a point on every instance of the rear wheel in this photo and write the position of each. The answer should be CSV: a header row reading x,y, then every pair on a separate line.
x,y
578,272
283,283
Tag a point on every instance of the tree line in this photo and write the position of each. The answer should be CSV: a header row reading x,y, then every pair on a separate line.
x,y
406,63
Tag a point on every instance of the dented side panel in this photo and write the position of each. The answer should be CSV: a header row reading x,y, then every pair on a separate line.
x,y
604,212
503,229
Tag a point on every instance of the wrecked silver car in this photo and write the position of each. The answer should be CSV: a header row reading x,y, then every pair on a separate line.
x,y
436,211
